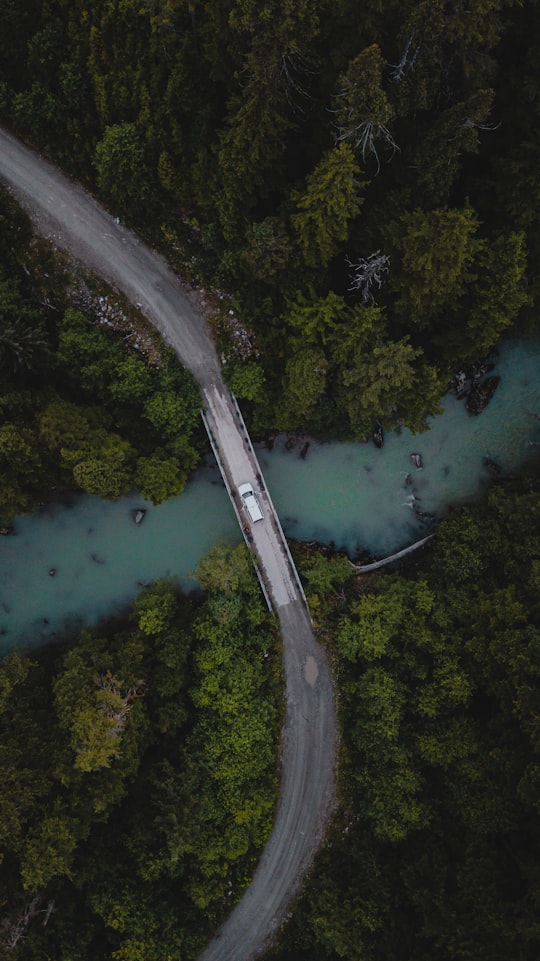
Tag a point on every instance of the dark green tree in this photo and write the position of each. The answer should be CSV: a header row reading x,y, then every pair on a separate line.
x,y
362,109
123,173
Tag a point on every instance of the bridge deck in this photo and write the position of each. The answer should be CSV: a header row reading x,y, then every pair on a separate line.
x,y
238,463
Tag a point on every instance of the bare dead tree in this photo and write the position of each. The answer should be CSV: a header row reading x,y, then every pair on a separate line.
x,y
361,106
470,124
12,933
108,682
405,66
117,707
286,73
296,74
48,911
368,272
363,136
13,928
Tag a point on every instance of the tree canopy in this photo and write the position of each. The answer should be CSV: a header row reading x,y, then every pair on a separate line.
x,y
269,148
361,183
434,850
139,776
78,408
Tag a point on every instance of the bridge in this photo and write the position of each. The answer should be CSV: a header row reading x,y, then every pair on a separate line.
x,y
72,220
238,462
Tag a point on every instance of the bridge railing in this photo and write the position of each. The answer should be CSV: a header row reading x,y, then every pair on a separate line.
x,y
283,540
232,496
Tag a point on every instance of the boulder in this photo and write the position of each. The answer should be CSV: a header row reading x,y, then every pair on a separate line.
x,y
480,394
378,435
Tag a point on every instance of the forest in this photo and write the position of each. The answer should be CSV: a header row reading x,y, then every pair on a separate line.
x,y
359,188
362,187
435,850
138,769
138,761
84,405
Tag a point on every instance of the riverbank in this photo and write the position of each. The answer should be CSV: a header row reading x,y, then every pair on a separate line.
x,y
351,497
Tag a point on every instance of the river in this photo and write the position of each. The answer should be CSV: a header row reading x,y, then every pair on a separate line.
x,y
352,495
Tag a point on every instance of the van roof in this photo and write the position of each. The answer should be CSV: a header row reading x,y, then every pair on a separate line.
x,y
250,501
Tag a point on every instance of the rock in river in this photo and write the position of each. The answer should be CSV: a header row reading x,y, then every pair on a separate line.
x,y
481,394
378,435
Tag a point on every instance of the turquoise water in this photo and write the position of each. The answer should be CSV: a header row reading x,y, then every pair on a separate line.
x,y
352,495
102,558
358,497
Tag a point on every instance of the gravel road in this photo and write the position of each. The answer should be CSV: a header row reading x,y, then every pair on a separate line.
x,y
65,214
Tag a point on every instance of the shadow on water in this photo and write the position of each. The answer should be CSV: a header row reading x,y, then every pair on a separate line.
x,y
367,501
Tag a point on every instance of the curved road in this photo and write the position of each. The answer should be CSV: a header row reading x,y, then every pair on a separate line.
x,y
66,215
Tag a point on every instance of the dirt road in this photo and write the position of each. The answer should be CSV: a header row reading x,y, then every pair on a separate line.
x,y
64,213
70,218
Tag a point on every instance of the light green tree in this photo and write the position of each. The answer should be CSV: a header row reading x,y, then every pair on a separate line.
x,y
133,380
246,380
159,477
375,382
18,450
318,321
156,607
226,568
48,852
93,699
438,253
169,413
102,478
331,199
303,385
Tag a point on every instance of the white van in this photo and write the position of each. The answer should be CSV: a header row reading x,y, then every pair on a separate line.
x,y
250,502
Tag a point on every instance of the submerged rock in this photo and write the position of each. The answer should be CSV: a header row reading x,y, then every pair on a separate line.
x,y
138,515
481,394
465,380
378,435
492,467
461,383
423,516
